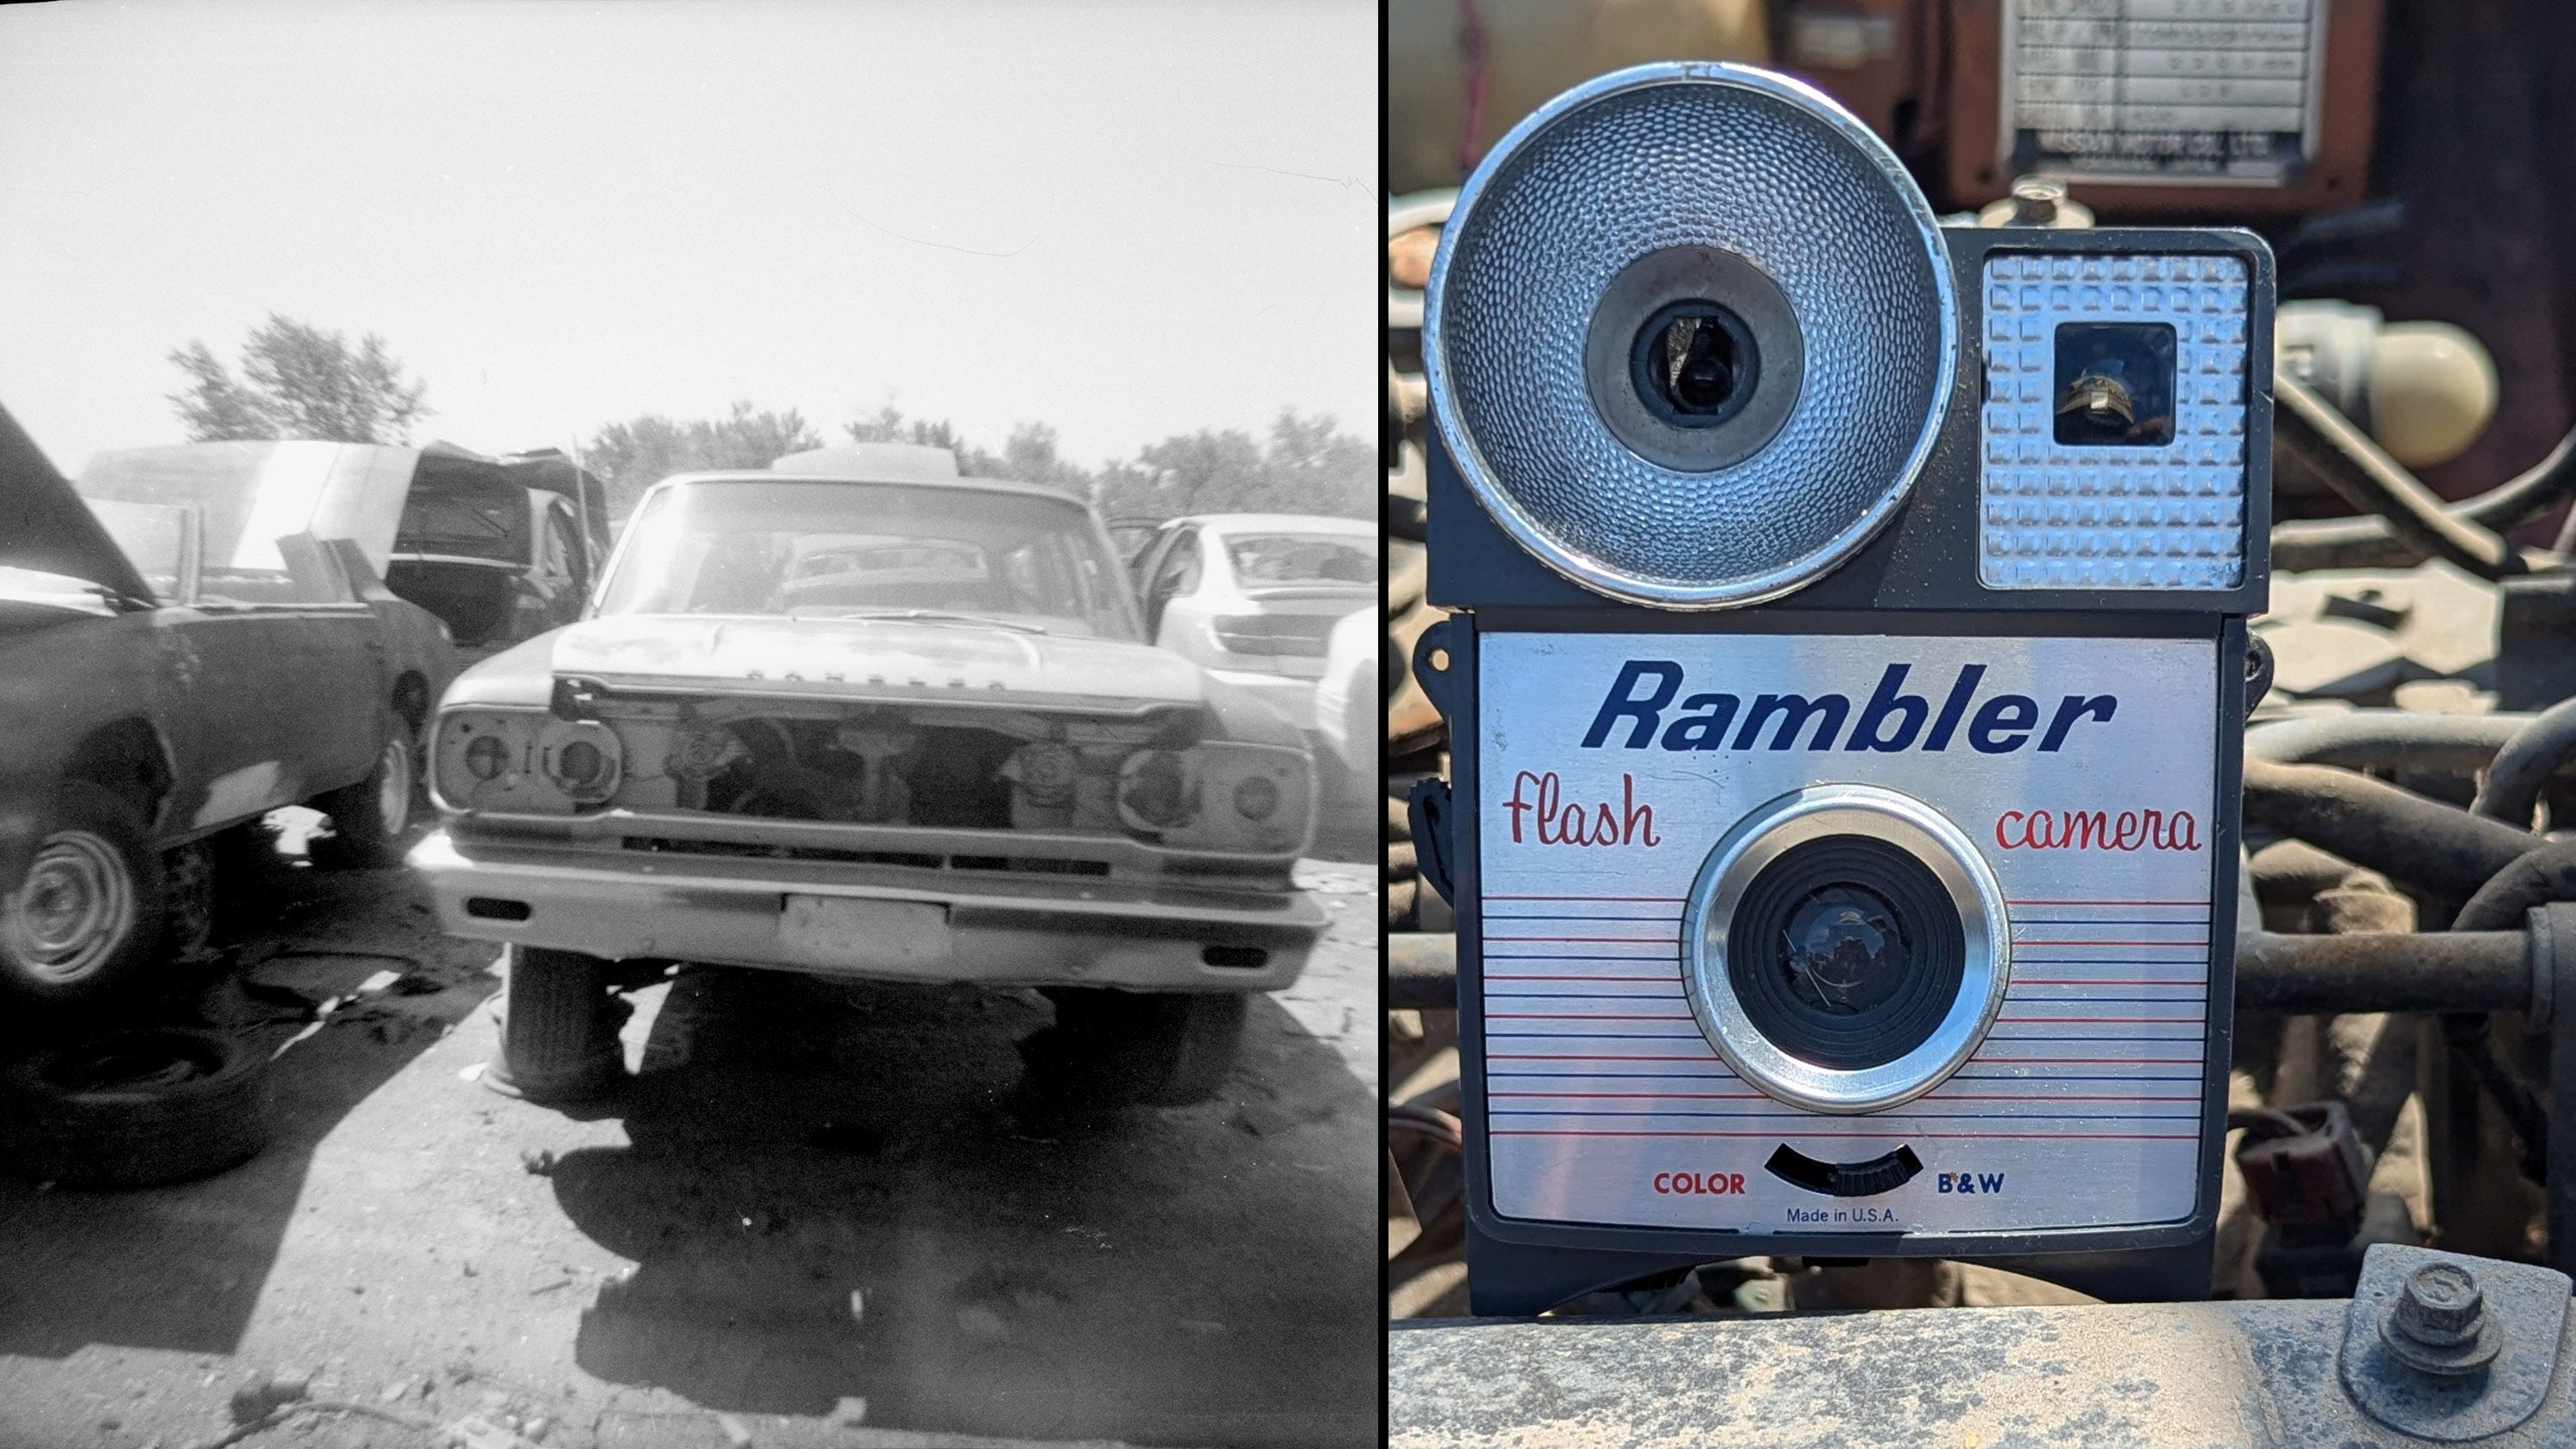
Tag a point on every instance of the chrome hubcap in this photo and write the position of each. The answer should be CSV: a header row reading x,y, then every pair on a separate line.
x,y
76,908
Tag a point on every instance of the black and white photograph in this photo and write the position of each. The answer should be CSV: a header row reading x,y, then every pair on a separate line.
x,y
690,724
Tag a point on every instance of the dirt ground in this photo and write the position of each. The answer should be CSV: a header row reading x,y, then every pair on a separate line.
x,y
821,1215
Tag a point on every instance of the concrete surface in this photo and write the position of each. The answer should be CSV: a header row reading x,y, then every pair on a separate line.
x,y
821,1215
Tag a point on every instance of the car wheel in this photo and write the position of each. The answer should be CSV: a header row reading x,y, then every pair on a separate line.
x,y
368,818
1122,1048
138,1107
86,923
558,1028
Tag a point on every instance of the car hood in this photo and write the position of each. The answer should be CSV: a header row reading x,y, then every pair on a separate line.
x,y
925,661
50,530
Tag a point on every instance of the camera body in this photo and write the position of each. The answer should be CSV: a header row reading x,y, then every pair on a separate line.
x,y
1846,702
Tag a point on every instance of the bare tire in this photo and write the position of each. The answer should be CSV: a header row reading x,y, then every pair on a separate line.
x,y
1119,1048
558,1028
368,818
137,1107
85,925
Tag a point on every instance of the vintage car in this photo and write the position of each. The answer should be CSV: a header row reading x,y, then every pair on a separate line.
x,y
499,548
1252,596
176,661
858,716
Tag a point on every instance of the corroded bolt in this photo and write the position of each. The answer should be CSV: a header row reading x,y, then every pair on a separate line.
x,y
2035,200
2440,1322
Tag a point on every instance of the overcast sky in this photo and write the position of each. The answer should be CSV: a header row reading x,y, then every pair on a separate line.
x,y
1127,220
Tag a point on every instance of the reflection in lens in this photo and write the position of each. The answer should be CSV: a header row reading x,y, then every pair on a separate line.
x,y
1843,950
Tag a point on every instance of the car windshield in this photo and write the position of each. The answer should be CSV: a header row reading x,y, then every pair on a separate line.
x,y
823,549
150,534
1303,558
485,524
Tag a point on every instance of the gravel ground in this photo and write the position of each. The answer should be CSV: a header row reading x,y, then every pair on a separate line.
x,y
822,1214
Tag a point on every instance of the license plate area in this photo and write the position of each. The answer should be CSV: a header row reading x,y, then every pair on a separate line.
x,y
863,931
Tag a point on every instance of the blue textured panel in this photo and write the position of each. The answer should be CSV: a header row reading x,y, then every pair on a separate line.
x,y
2059,516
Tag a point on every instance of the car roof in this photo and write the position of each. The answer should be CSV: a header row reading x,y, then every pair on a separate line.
x,y
1279,523
972,485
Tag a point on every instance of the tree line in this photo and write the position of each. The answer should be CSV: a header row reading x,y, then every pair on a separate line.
x,y
301,381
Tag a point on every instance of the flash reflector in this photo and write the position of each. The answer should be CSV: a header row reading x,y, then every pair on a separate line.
x,y
1690,335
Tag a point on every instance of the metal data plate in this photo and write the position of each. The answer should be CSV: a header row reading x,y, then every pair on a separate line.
x,y
2180,91
1604,1102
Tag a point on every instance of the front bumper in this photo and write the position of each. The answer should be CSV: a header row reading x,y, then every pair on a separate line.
x,y
893,923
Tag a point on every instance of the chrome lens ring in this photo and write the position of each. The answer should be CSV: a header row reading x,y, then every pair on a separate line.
x,y
1687,162
1818,813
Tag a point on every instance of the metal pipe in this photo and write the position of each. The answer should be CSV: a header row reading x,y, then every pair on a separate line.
x,y
1421,971
2369,541
2386,737
2523,767
2482,970
2538,877
2307,427
2440,848
2331,975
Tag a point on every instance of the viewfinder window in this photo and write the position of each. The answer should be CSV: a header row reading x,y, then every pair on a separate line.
x,y
2115,384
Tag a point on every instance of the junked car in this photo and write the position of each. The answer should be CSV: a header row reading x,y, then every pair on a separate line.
x,y
1252,597
500,549
177,657
857,716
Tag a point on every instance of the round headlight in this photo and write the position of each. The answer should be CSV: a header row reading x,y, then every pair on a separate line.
x,y
487,757
1156,789
579,765
1048,772
1257,798
581,757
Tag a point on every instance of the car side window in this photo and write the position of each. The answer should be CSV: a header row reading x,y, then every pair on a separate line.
x,y
305,574
558,550
1182,567
1140,569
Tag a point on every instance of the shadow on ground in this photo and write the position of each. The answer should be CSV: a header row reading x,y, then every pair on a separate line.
x,y
181,1267
839,1192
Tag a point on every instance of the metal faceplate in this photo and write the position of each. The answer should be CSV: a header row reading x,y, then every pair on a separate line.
x,y
1603,1100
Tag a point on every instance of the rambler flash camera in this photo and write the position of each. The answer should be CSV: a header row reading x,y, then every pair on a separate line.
x,y
1846,701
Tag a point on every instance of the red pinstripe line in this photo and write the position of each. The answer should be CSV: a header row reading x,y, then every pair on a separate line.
x,y
1579,1016
2105,903
2202,942
1804,1131
1755,1096
1595,940
2058,980
1663,900
2099,1020
2076,1061
1989,1061
1537,976
1571,1057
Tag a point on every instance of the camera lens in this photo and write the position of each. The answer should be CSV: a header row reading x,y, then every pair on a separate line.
x,y
1843,949
1846,952
1694,364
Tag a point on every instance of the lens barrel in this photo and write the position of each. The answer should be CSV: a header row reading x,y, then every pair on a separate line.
x,y
1845,948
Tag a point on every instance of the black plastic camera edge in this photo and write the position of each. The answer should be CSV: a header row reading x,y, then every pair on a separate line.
x,y
1926,556
1918,577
